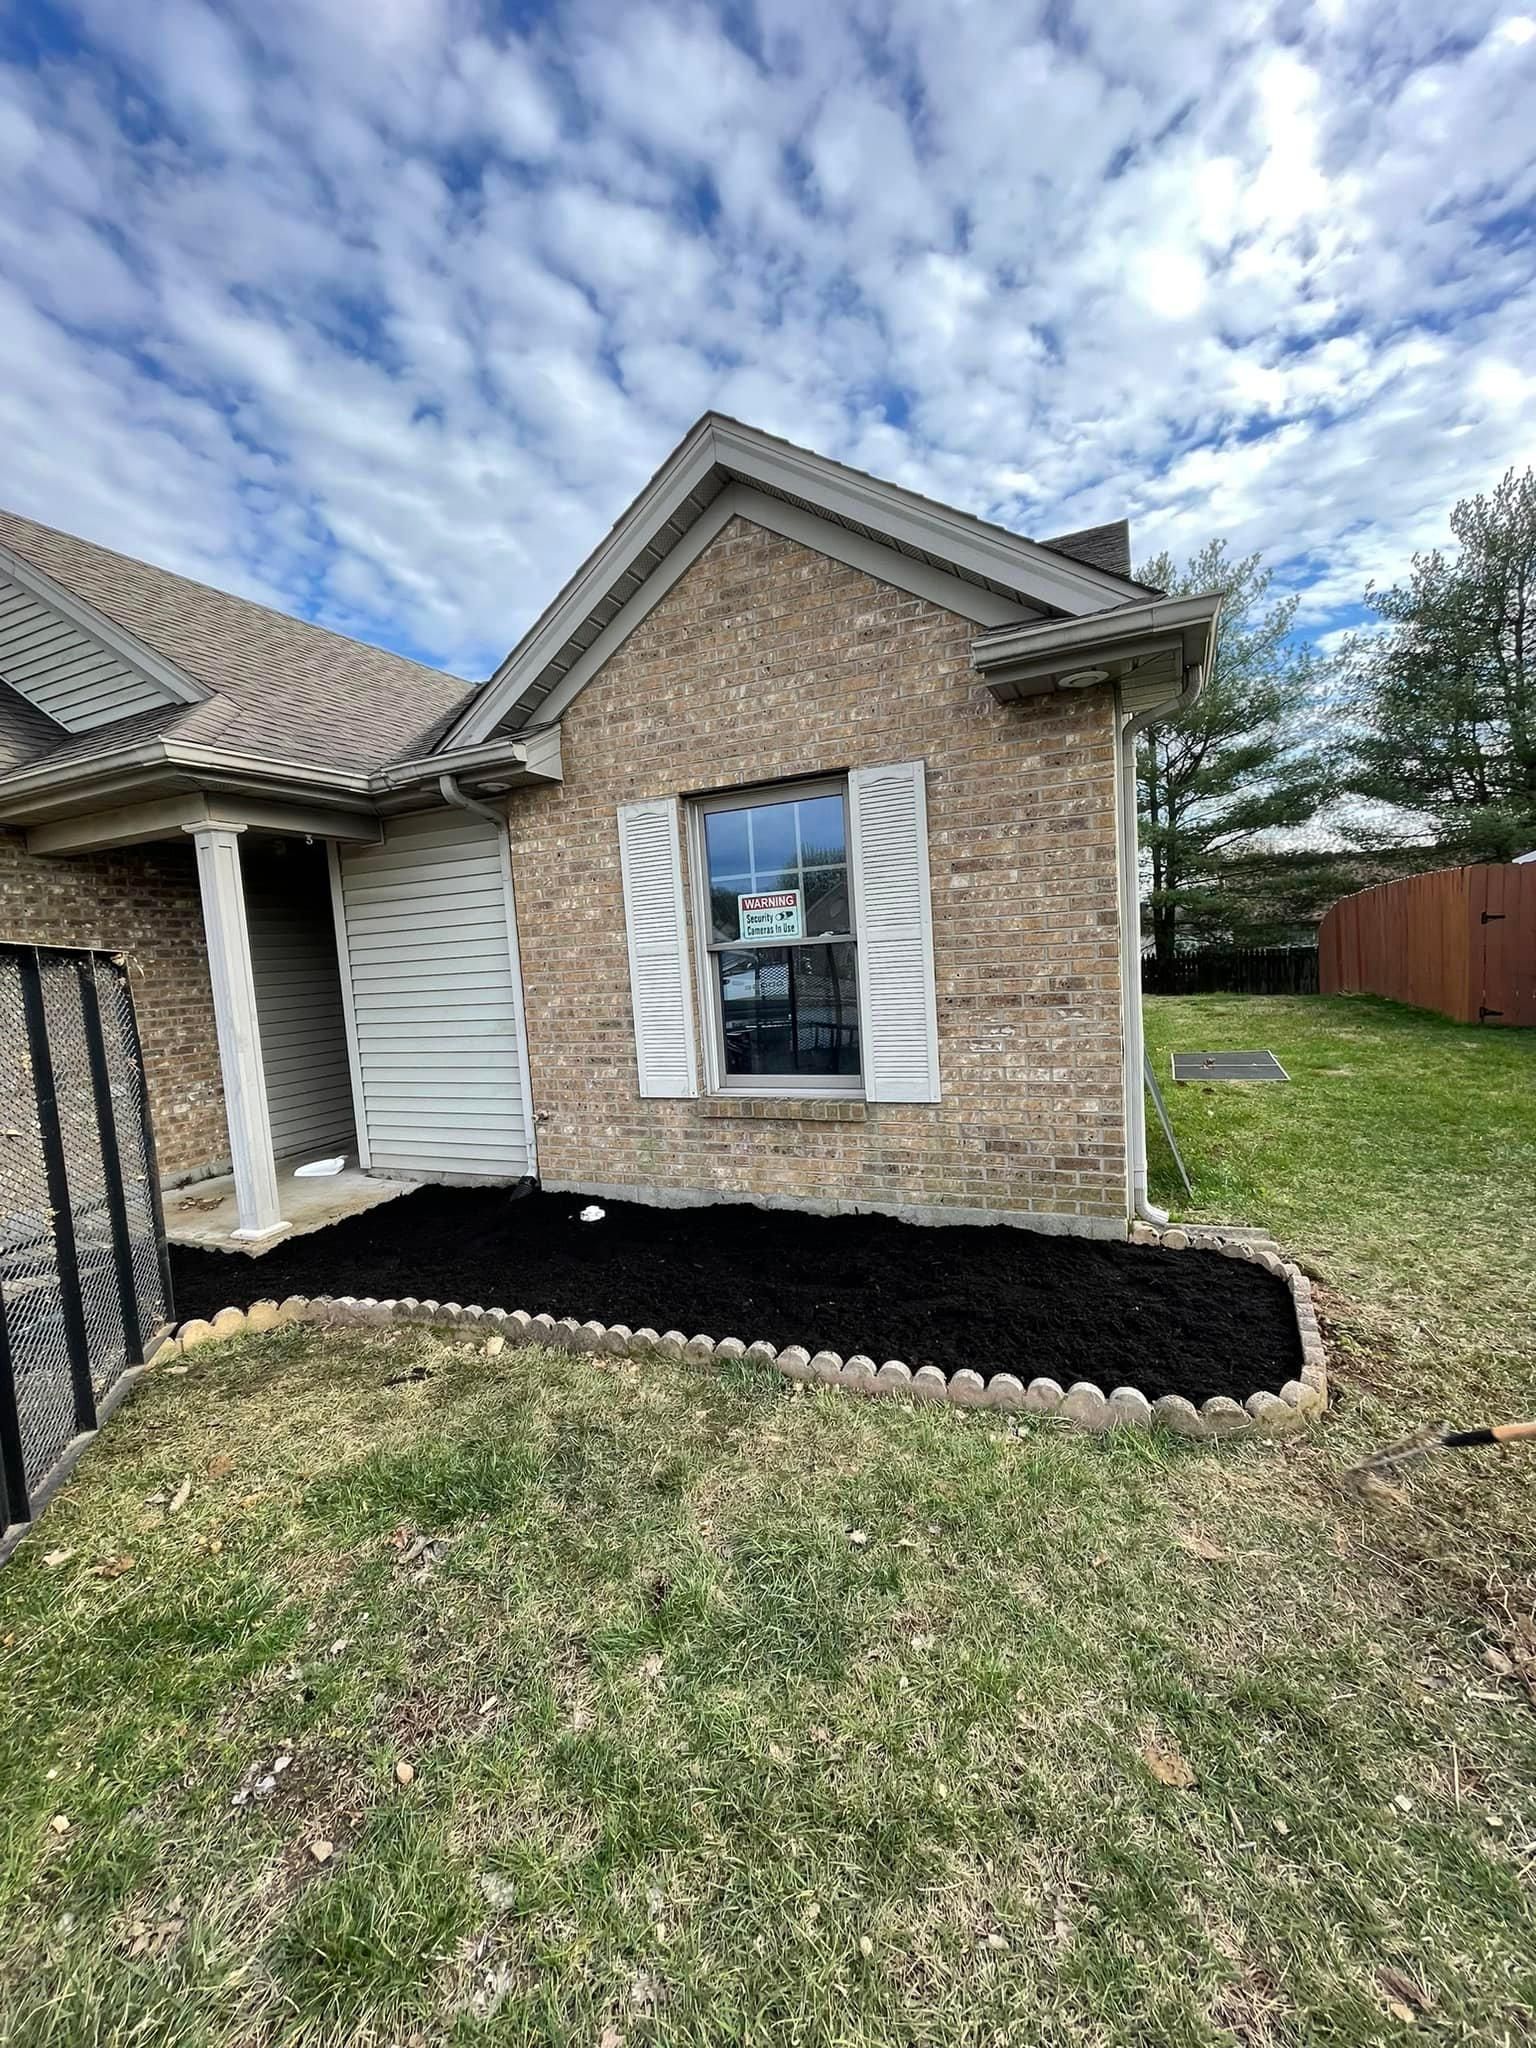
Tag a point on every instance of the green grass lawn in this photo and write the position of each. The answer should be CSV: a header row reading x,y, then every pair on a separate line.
x,y
1400,1157
729,1712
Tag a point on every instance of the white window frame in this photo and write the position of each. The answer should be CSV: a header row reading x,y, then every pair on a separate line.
x,y
820,1087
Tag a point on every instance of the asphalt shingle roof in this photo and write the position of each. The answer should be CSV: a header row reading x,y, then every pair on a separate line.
x,y
281,687
1101,547
26,733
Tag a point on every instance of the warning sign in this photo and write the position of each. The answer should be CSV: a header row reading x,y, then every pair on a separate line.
x,y
777,916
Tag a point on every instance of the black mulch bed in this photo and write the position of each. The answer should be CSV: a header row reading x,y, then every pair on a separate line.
x,y
997,1300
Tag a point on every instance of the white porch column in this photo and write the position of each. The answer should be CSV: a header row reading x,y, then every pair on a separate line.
x,y
234,1009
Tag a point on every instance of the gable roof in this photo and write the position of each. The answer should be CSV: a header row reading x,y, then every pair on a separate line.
x,y
71,661
267,684
1102,547
1009,577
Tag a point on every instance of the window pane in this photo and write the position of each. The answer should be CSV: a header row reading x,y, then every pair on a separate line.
x,y
827,908
774,859
821,832
725,835
724,890
789,1010
797,844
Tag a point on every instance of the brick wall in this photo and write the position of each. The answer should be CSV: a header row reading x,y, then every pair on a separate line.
x,y
767,660
142,902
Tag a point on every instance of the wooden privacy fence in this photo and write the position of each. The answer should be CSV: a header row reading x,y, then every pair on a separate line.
x,y
1233,970
1461,941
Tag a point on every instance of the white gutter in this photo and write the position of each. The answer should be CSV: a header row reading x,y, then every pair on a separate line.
x,y
1116,633
1130,940
510,751
171,756
44,776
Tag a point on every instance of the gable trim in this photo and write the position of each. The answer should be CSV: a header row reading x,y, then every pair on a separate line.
x,y
885,565
971,544
179,688
685,472
719,453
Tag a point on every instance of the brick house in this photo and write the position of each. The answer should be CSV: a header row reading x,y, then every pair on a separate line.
x,y
788,857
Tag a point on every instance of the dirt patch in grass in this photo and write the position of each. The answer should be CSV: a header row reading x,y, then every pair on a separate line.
x,y
997,1300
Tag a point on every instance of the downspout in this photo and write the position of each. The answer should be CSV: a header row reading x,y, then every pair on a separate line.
x,y
448,788
452,794
1130,940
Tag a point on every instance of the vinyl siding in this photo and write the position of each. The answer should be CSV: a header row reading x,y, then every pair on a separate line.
x,y
58,667
298,1002
435,1001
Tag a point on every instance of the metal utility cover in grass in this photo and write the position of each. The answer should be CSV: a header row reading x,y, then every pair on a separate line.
x,y
1227,1066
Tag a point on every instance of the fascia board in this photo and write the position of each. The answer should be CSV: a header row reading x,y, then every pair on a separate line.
x,y
674,565
1023,565
23,782
533,756
150,758
1185,616
679,476
217,760
109,778
497,753
888,565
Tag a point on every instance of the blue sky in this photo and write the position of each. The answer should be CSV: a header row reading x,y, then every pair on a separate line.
x,y
383,313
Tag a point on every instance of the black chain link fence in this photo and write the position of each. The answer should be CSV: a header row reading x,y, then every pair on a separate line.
x,y
84,1284
1233,970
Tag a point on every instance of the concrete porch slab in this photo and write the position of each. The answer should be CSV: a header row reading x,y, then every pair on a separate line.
x,y
203,1212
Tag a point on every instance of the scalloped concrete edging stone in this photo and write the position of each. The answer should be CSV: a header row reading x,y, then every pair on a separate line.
x,y
1082,1405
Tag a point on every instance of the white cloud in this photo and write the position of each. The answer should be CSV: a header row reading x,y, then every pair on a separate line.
x,y
387,315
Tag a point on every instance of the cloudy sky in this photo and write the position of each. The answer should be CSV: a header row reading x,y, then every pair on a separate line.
x,y
382,312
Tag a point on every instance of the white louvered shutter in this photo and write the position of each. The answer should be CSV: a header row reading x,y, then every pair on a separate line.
x,y
893,921
658,947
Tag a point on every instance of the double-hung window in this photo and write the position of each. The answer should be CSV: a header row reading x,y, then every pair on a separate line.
x,y
775,905
810,942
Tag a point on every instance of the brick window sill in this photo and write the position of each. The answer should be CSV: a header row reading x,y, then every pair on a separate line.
x,y
820,1109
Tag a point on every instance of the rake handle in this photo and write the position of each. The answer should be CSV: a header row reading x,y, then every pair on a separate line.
x,y
1497,1433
